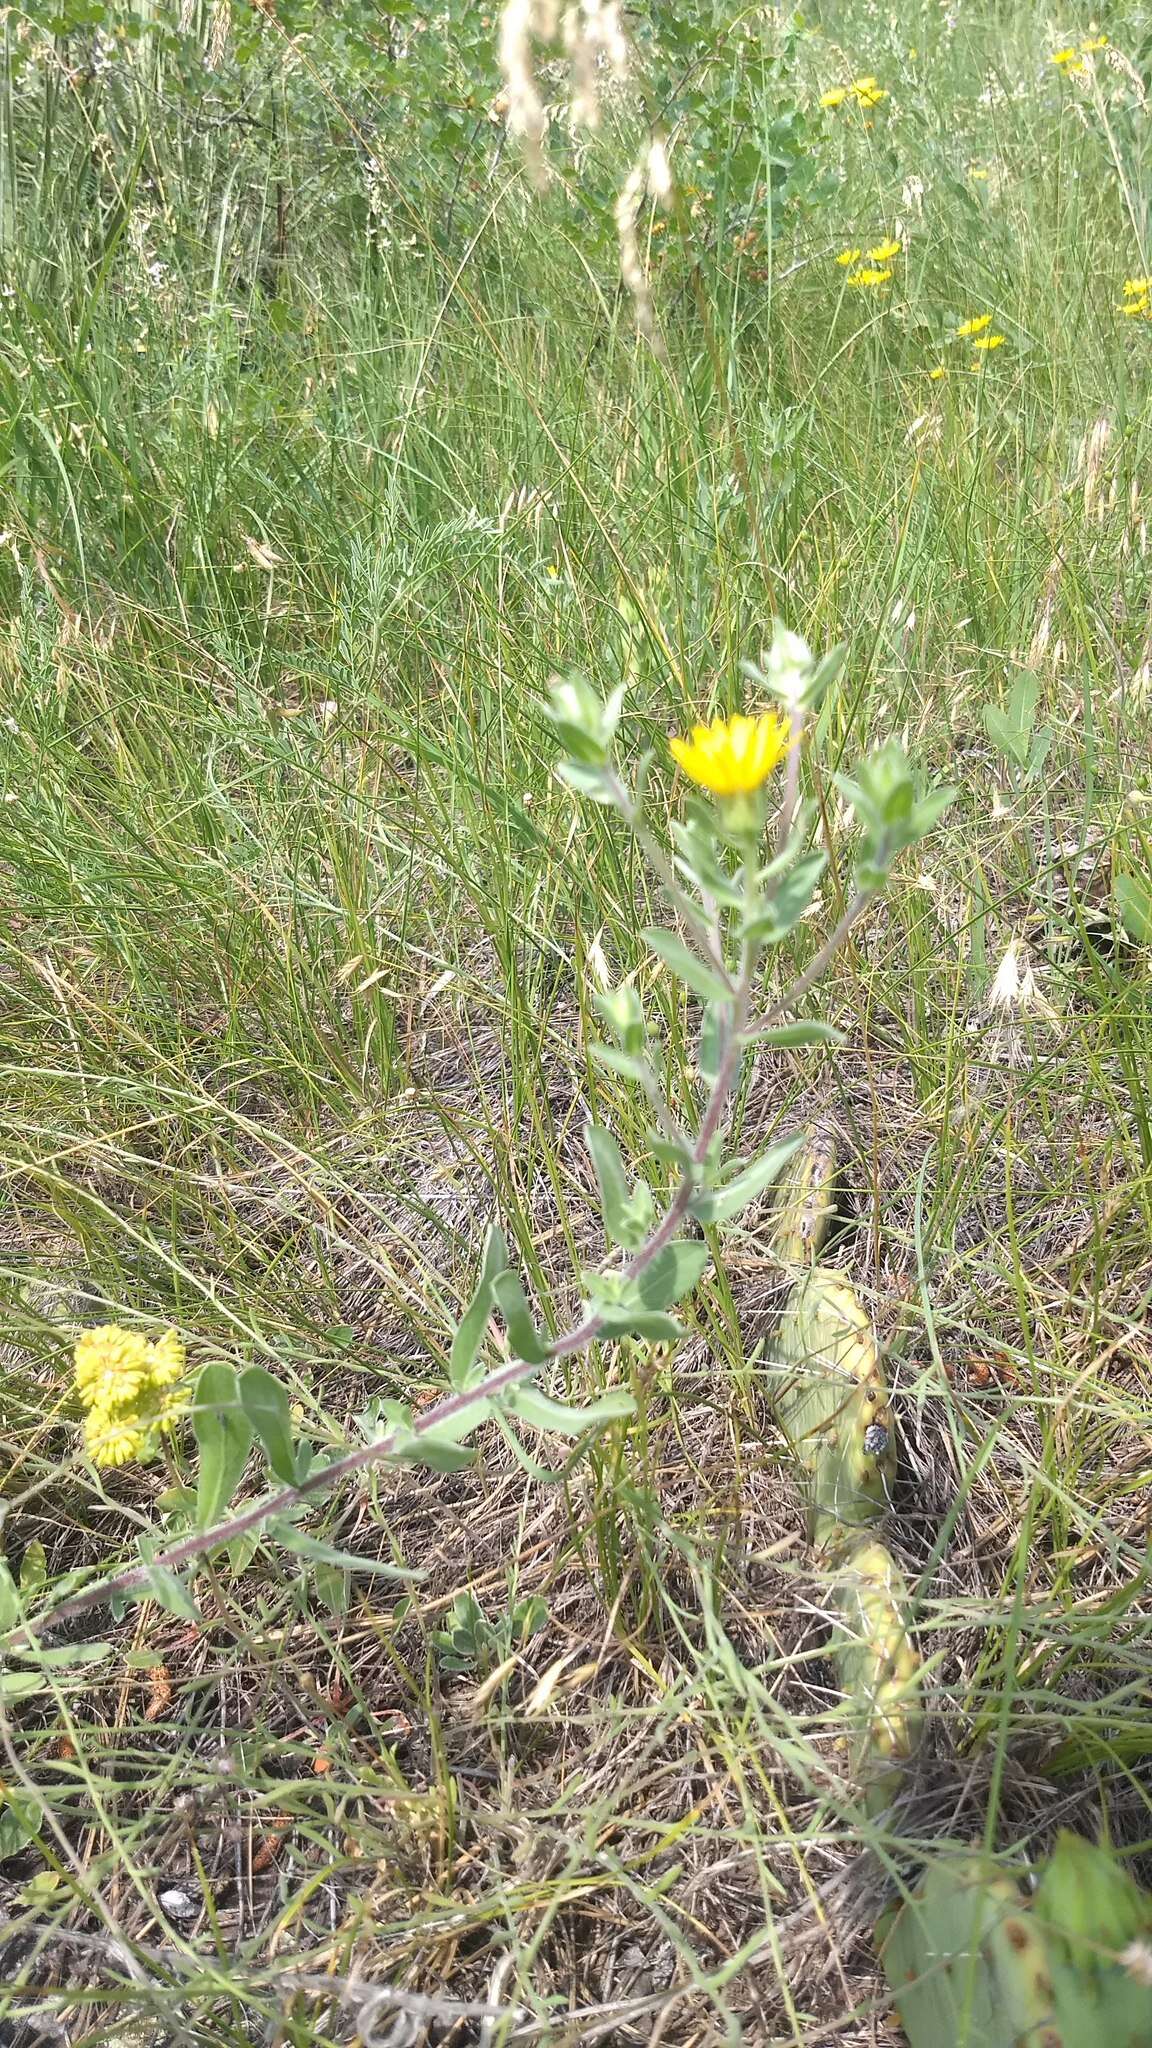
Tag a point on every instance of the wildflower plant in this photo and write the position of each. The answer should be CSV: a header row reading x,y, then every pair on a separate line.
x,y
740,875
131,1392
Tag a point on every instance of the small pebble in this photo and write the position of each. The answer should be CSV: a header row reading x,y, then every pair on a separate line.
x,y
177,1904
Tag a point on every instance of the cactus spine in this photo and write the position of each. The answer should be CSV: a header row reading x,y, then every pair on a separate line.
x,y
832,1402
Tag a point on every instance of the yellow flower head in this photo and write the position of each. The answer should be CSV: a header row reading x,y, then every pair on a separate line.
x,y
884,251
1136,306
1068,60
1137,287
113,1440
940,371
172,1405
979,172
864,91
130,1390
734,756
168,1359
974,326
112,1365
1094,43
848,256
989,341
866,275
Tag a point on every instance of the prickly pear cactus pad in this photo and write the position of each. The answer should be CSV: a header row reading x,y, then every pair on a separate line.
x,y
830,1398
975,1962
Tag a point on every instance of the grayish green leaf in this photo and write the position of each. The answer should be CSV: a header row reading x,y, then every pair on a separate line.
x,y
703,980
523,1336
265,1404
224,1437
719,1205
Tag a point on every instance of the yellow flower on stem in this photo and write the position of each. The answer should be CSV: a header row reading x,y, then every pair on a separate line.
x,y
848,256
113,1439
112,1365
168,1359
866,275
974,326
130,1390
1068,60
1137,287
734,756
1094,43
884,251
989,341
1136,306
864,91
941,370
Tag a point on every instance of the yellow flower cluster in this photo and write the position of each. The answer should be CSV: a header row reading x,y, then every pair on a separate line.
x,y
130,1390
1137,300
1072,58
863,92
869,266
734,756
974,330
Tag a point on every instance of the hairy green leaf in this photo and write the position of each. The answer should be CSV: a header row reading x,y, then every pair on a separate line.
x,y
1134,902
810,1032
301,1544
224,1438
68,1654
719,1205
618,1320
789,899
33,1570
523,1336
265,1405
168,1592
21,1685
563,1418
672,1274
627,1211
473,1323
703,980
9,1599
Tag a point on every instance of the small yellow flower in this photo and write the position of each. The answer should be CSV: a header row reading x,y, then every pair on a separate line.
x,y
866,275
974,326
940,371
168,1359
734,756
1136,306
113,1440
111,1365
1137,287
848,256
980,172
884,251
1068,59
172,1406
835,98
867,93
989,341
1094,43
